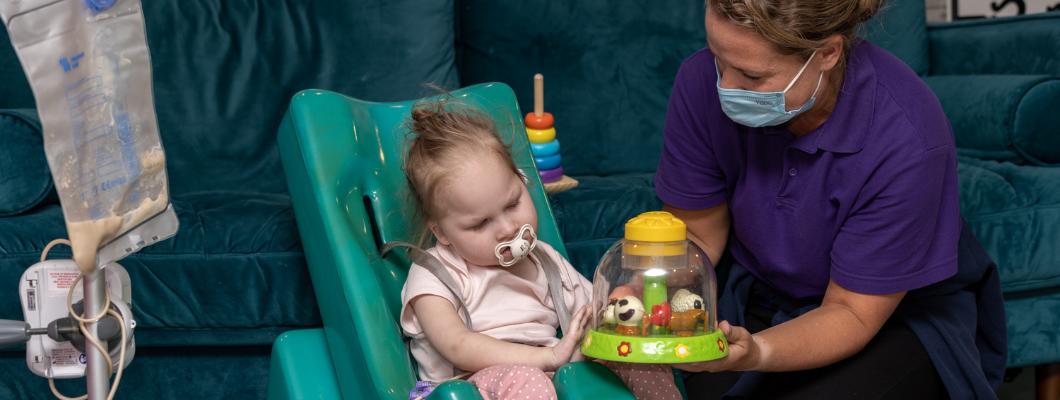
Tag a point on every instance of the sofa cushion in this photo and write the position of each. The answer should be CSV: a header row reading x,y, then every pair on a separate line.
x,y
224,72
1014,210
234,274
1025,45
24,176
1002,117
608,66
593,215
901,28
1032,319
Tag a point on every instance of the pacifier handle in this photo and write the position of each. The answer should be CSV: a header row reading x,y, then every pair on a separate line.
x,y
519,247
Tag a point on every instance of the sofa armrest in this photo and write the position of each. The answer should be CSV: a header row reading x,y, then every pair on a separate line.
x,y
1028,45
1002,117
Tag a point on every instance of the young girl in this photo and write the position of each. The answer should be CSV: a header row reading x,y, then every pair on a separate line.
x,y
473,200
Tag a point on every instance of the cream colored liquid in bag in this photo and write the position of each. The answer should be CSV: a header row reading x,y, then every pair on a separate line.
x,y
90,70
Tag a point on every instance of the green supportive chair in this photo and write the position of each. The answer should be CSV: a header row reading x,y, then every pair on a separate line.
x,y
342,160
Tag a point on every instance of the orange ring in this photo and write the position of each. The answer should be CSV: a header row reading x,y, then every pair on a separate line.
x,y
545,121
541,135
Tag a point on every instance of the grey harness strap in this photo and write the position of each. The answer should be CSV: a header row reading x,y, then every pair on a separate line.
x,y
555,287
432,264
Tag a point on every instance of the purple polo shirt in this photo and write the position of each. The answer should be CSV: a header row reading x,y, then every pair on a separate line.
x,y
868,199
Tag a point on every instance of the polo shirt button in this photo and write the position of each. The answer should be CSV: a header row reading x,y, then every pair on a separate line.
x,y
792,172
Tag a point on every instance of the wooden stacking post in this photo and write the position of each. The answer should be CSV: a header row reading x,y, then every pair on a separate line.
x,y
539,95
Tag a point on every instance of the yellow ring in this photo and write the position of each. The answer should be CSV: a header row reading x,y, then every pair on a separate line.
x,y
541,135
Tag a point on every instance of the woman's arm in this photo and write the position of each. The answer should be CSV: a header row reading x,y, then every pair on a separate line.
x,y
472,351
708,228
839,328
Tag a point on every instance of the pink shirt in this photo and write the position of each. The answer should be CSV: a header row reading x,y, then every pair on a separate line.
x,y
502,305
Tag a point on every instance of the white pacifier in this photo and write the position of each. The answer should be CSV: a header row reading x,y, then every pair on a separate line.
x,y
518,246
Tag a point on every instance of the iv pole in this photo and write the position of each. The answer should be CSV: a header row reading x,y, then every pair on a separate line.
x,y
97,371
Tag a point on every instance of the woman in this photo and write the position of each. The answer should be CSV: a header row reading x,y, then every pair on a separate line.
x,y
834,166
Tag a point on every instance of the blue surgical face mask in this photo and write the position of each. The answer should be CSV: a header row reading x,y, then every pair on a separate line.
x,y
758,109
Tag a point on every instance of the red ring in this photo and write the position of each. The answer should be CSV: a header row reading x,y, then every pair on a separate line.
x,y
545,121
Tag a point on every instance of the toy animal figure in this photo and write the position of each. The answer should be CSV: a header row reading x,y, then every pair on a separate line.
x,y
689,311
629,312
684,323
684,300
658,322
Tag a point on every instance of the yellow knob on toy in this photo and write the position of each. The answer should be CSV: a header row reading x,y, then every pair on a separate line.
x,y
656,226
659,233
541,135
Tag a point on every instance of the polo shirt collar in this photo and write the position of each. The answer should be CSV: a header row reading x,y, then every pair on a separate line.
x,y
847,127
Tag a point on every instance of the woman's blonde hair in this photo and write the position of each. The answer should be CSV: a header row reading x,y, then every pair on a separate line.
x,y
800,26
443,134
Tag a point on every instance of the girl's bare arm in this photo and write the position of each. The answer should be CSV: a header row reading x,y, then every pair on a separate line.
x,y
472,351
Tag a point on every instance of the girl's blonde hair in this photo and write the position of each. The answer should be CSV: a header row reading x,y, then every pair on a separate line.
x,y
443,134
800,26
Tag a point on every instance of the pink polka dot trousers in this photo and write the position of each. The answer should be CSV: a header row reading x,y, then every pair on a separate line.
x,y
513,381
646,381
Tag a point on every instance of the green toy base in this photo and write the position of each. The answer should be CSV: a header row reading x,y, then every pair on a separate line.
x,y
660,349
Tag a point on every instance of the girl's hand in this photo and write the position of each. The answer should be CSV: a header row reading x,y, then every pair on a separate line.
x,y
568,349
744,353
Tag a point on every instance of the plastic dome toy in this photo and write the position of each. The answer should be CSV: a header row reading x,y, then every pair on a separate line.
x,y
654,297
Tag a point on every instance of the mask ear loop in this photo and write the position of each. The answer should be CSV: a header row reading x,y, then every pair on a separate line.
x,y
800,74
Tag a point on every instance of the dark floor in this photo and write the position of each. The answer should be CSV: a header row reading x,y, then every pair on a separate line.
x,y
1020,388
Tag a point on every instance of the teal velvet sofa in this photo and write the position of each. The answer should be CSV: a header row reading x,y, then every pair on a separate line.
x,y
210,302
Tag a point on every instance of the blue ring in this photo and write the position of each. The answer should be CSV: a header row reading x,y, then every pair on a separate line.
x,y
547,162
545,149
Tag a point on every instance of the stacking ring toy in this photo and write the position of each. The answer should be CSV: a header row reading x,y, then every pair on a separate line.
x,y
541,135
547,162
551,175
543,121
545,149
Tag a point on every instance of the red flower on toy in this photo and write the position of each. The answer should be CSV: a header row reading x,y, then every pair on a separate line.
x,y
721,345
624,349
660,314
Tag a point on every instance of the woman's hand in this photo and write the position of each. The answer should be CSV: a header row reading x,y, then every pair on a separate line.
x,y
568,349
745,353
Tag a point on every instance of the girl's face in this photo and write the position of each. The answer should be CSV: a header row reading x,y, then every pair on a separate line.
x,y
485,204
